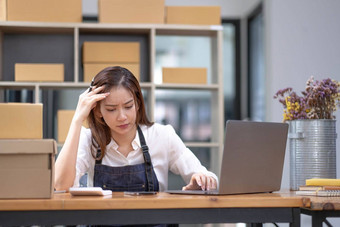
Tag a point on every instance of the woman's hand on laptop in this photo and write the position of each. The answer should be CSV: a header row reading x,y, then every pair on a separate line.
x,y
200,181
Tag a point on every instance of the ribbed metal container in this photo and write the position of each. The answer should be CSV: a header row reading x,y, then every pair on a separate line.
x,y
312,147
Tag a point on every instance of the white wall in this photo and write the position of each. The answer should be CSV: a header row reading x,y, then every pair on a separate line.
x,y
302,39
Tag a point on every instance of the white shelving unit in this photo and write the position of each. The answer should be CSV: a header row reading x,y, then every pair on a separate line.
x,y
79,30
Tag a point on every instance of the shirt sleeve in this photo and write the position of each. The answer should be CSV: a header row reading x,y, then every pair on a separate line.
x,y
182,160
83,155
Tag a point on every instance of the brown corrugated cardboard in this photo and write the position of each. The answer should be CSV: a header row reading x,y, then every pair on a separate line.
x,y
27,168
196,15
185,75
21,121
92,69
3,10
37,72
44,10
64,121
131,11
108,52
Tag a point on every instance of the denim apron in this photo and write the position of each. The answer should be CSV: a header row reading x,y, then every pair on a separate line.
x,y
140,177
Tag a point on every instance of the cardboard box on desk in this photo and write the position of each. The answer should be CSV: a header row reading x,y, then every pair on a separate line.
x,y
45,10
185,75
35,72
64,122
92,69
131,11
196,15
108,52
21,121
27,168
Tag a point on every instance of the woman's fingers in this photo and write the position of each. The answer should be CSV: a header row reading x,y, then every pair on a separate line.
x,y
88,100
201,181
95,90
98,97
206,182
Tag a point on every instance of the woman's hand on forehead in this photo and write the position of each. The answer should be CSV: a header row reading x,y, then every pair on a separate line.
x,y
88,100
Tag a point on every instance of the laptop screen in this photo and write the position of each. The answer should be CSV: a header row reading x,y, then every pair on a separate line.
x,y
253,157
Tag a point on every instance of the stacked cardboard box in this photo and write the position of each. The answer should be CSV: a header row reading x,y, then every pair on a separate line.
x,y
185,75
26,160
43,10
109,11
39,72
196,15
99,55
131,11
21,121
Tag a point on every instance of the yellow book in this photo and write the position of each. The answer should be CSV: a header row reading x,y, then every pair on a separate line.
x,y
322,182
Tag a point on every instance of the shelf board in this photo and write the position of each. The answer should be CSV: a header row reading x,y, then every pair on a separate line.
x,y
61,85
161,29
188,30
43,85
191,144
35,27
188,86
113,28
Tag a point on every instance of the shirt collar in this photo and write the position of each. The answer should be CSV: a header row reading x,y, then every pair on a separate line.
x,y
135,143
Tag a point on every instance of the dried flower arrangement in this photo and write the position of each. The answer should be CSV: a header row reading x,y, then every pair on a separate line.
x,y
318,101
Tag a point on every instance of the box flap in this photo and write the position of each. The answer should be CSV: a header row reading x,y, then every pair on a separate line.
x,y
28,146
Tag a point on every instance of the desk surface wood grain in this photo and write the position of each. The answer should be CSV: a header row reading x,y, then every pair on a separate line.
x,y
162,200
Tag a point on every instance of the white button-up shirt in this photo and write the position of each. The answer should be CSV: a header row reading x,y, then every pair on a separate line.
x,y
166,149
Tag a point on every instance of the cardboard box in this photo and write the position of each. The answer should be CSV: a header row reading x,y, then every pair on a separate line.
x,y
64,122
39,72
131,11
3,10
92,69
21,121
108,52
185,75
197,15
27,168
45,10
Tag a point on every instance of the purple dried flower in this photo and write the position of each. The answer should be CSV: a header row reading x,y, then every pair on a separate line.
x,y
318,101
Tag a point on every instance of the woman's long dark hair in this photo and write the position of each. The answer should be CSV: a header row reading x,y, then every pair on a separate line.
x,y
112,77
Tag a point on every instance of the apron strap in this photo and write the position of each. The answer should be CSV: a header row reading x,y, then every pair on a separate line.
x,y
98,161
147,160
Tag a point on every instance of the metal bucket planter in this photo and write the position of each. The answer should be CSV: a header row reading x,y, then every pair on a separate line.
x,y
312,146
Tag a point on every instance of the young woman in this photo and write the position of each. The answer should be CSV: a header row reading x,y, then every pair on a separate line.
x,y
122,150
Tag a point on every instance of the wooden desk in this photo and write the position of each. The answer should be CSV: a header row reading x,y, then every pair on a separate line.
x,y
149,209
321,208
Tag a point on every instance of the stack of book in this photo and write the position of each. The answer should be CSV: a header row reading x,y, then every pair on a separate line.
x,y
320,187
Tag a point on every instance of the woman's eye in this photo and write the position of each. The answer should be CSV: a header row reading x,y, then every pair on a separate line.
x,y
129,107
110,110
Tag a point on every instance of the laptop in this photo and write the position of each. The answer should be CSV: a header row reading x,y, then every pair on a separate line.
x,y
253,158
